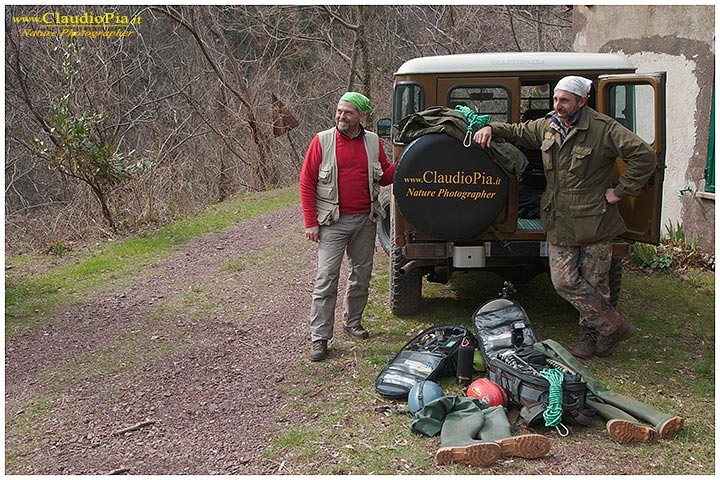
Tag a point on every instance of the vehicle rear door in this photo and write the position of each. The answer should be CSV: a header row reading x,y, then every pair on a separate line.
x,y
638,102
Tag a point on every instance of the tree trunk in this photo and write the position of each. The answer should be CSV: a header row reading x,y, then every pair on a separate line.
x,y
223,180
364,56
104,206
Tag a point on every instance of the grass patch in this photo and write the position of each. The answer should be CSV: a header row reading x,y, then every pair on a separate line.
x,y
25,427
29,296
234,267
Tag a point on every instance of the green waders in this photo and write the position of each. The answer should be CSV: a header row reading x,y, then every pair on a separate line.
x,y
625,415
473,433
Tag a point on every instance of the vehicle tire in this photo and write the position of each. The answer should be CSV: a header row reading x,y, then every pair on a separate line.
x,y
447,191
405,289
615,279
384,225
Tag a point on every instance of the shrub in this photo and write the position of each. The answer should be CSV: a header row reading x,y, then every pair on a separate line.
x,y
674,253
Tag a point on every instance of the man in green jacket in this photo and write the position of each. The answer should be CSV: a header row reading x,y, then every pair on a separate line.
x,y
579,209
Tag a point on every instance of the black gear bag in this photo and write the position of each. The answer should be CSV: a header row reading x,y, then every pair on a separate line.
x,y
430,355
506,339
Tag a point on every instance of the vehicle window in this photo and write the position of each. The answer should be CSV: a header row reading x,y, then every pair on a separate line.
x,y
634,107
535,101
407,99
485,100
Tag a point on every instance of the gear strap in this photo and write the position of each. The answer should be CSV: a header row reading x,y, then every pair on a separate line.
x,y
389,411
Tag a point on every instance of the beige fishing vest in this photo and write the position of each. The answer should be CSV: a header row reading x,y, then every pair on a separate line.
x,y
326,193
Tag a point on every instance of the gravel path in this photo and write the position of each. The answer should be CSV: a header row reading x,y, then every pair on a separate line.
x,y
193,354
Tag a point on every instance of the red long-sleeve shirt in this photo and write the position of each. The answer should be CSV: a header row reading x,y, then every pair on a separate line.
x,y
352,164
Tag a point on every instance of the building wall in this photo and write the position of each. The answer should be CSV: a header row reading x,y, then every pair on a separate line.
x,y
679,40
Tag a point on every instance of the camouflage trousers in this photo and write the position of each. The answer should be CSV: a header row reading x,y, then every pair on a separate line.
x,y
581,275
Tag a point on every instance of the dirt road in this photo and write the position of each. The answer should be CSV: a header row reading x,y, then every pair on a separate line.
x,y
188,355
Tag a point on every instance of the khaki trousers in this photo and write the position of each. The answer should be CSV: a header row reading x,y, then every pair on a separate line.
x,y
353,235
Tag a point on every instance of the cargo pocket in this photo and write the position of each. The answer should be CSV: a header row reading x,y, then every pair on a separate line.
x,y
325,192
587,220
580,160
547,215
547,158
325,188
377,175
377,172
327,213
326,206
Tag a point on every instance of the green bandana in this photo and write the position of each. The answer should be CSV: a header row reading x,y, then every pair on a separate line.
x,y
361,102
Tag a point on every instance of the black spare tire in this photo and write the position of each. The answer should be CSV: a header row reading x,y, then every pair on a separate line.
x,y
448,191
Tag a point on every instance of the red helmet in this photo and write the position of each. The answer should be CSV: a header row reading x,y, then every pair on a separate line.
x,y
488,392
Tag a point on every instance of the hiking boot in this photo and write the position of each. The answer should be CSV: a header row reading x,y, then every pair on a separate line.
x,y
625,431
607,343
525,446
671,427
585,347
356,331
319,350
478,454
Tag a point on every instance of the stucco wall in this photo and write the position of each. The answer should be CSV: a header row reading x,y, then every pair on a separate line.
x,y
679,40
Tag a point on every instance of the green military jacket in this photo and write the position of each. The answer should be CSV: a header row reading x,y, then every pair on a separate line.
x,y
574,211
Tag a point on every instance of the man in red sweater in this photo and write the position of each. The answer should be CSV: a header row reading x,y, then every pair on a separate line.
x,y
339,187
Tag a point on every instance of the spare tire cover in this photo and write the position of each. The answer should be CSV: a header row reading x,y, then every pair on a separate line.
x,y
448,191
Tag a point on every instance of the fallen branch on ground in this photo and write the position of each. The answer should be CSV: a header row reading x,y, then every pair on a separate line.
x,y
131,428
118,471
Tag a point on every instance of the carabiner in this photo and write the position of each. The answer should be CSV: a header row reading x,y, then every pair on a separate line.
x,y
557,427
468,139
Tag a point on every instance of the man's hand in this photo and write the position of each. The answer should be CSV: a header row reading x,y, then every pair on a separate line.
x,y
483,136
611,197
313,233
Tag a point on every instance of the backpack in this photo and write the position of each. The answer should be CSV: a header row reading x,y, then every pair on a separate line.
x,y
432,354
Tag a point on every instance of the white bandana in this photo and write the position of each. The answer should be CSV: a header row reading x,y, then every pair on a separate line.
x,y
580,86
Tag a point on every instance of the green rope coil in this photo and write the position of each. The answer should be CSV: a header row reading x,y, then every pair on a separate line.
x,y
553,412
475,122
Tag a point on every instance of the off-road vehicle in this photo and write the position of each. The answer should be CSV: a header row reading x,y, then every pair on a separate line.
x,y
451,207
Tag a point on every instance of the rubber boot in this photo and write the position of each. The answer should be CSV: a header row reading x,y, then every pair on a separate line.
x,y
665,424
458,439
624,431
497,428
473,433
622,426
460,435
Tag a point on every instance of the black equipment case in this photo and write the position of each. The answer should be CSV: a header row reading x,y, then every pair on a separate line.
x,y
430,355
505,338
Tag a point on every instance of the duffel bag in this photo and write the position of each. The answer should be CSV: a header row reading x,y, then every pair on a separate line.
x,y
530,391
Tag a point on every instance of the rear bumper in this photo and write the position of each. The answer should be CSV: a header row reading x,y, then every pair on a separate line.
x,y
476,256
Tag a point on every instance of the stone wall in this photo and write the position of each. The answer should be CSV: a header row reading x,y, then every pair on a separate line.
x,y
679,40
